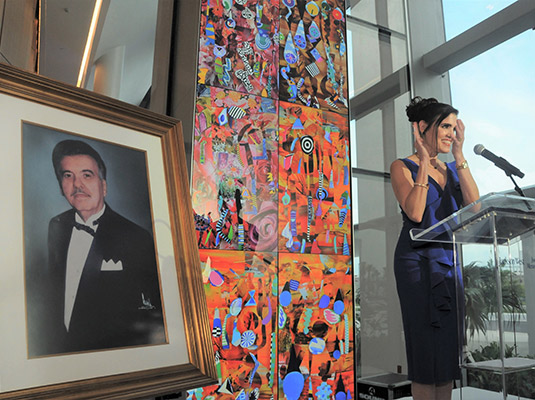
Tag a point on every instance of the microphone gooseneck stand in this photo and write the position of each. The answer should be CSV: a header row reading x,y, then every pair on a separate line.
x,y
519,190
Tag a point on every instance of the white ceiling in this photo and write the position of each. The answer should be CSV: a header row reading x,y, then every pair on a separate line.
x,y
130,23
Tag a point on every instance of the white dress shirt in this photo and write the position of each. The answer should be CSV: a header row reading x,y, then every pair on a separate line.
x,y
79,246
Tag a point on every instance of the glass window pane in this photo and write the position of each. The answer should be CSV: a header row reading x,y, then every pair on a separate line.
x,y
382,348
403,139
396,15
369,142
364,57
460,15
363,9
495,94
366,10
122,51
399,52
367,63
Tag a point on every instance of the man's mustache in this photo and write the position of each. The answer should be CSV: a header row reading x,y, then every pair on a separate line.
x,y
78,191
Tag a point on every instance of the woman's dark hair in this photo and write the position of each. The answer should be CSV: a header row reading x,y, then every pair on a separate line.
x,y
428,110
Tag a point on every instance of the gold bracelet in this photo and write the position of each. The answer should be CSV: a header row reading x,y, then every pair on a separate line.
x,y
424,185
462,165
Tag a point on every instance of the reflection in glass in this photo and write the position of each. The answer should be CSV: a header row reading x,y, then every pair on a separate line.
x,y
120,54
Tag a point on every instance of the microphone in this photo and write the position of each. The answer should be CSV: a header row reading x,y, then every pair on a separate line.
x,y
500,162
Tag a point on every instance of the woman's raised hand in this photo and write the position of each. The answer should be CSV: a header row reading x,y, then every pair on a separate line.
x,y
421,150
458,139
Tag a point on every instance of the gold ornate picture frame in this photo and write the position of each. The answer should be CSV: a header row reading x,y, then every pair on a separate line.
x,y
186,360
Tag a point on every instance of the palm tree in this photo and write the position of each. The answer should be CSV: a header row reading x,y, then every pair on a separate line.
x,y
480,294
476,314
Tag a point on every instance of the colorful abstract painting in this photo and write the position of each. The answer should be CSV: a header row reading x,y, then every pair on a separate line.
x,y
314,181
241,288
271,195
315,327
234,186
239,46
313,54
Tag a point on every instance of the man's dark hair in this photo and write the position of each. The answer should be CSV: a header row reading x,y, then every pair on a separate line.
x,y
75,148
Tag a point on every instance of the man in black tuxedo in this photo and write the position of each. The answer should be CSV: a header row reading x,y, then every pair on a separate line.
x,y
101,289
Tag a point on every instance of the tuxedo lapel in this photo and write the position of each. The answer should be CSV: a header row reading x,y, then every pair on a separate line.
x,y
59,241
88,296
93,261
62,240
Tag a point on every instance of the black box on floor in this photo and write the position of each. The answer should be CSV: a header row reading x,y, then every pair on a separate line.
x,y
383,387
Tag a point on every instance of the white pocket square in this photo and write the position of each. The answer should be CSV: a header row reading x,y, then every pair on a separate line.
x,y
111,265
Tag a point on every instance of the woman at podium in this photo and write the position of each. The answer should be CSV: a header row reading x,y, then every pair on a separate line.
x,y
429,190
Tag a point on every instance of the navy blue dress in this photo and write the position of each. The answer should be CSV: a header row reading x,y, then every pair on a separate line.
x,y
425,280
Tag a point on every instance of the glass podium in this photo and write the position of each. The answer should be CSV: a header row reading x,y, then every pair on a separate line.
x,y
496,303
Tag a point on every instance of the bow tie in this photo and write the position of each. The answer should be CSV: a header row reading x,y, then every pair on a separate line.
x,y
88,229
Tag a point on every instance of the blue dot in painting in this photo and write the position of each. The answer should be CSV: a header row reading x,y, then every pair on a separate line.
x,y
289,3
293,384
290,58
230,23
324,301
219,51
340,396
285,298
336,354
223,117
247,339
316,346
339,307
235,306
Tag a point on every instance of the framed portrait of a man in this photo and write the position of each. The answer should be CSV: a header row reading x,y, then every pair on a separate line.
x,y
101,293
91,272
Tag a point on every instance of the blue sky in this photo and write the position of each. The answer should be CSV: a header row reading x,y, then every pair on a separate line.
x,y
495,94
